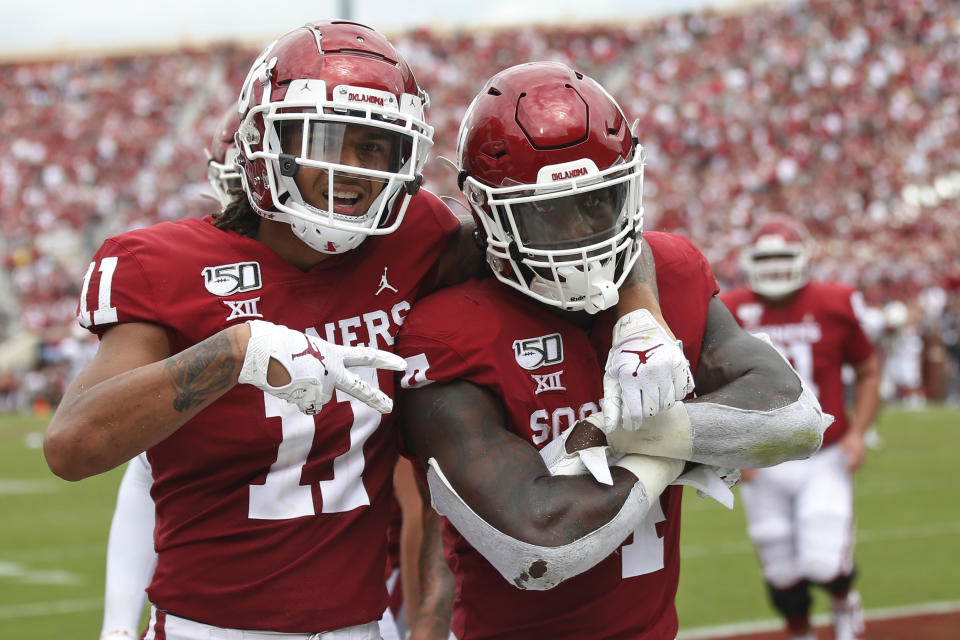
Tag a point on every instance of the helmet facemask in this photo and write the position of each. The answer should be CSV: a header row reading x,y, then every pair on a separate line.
x,y
569,243
223,176
223,171
776,268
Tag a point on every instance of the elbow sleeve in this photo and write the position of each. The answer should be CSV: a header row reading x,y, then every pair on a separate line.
x,y
531,566
723,436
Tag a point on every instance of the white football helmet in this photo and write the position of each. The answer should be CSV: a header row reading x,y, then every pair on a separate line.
x,y
222,169
335,97
777,261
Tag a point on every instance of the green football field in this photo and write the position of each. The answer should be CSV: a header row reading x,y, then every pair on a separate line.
x,y
53,535
908,530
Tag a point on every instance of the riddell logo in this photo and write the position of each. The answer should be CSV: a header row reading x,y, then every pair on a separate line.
x,y
362,97
567,175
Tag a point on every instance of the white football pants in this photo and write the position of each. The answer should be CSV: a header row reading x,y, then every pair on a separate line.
x,y
170,627
800,517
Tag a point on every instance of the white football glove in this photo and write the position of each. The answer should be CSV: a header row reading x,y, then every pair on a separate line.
x,y
316,367
645,369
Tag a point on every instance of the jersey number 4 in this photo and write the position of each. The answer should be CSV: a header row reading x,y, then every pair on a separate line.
x,y
281,496
645,553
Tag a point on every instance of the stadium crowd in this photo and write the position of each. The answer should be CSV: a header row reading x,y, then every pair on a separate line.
x,y
842,113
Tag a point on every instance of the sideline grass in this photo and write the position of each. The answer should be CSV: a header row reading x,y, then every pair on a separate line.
x,y
908,522
52,542
53,537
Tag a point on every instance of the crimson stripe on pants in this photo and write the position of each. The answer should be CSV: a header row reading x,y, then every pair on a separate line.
x,y
158,628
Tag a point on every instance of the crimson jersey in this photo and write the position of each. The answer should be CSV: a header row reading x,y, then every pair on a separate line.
x,y
268,518
818,330
548,374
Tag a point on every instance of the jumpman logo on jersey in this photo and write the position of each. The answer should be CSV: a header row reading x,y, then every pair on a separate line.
x,y
384,284
643,356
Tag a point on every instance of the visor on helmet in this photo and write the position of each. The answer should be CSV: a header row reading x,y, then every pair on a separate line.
x,y
322,144
571,221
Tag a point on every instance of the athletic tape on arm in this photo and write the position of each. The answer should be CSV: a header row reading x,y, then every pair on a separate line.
x,y
653,473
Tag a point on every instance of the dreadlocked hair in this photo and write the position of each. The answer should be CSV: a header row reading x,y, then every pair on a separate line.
x,y
238,216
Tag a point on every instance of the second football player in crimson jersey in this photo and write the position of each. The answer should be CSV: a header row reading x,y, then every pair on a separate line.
x,y
543,538
800,514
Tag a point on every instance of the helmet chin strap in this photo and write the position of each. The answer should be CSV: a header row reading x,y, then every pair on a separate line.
x,y
325,239
603,295
316,235
595,286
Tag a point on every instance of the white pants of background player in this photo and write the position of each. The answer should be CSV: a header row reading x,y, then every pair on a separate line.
x,y
392,628
800,518
130,555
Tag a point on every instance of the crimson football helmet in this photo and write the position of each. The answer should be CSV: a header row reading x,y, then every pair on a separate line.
x,y
777,261
554,176
221,157
337,100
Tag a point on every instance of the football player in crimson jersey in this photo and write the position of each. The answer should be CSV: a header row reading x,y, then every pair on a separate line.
x,y
502,389
262,332
800,514
131,558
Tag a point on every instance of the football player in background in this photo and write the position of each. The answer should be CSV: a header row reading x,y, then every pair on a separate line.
x,y
262,331
403,539
222,171
800,514
502,390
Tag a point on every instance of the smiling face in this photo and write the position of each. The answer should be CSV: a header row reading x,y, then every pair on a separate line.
x,y
351,194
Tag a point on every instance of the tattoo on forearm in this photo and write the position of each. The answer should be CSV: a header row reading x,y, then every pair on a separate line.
x,y
203,371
